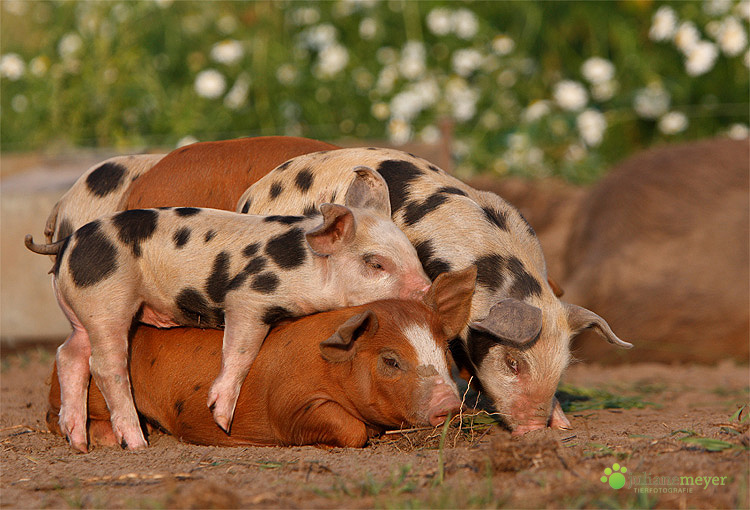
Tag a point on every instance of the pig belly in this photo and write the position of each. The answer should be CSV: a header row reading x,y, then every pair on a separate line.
x,y
156,318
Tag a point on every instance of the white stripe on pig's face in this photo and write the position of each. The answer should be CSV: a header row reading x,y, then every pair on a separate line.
x,y
428,353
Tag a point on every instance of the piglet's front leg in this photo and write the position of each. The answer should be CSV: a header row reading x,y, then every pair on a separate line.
x,y
242,341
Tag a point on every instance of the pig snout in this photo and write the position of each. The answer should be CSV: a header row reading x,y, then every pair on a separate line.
x,y
415,286
528,427
443,400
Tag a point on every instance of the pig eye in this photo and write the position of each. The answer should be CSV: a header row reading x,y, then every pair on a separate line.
x,y
373,262
391,362
512,364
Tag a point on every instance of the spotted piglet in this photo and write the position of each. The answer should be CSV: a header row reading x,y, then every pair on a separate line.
x,y
213,269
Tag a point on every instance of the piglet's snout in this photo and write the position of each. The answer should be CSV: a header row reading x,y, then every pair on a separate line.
x,y
415,287
443,400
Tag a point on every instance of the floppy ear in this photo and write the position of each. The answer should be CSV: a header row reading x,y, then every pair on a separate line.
x,y
512,321
580,318
342,344
369,190
338,228
450,296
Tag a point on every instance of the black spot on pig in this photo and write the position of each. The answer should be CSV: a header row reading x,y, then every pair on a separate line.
x,y
275,191
187,211
284,220
106,179
288,249
275,314
265,283
524,285
529,228
181,237
66,228
250,249
304,180
434,168
197,387
310,210
135,226
93,257
196,311
209,235
283,166
218,281
498,218
478,344
399,175
254,266
245,207
432,266
450,190
490,271
415,211
178,406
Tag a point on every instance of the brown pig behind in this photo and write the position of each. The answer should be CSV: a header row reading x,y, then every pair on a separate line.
x,y
333,378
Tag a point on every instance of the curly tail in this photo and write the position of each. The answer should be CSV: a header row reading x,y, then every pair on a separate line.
x,y
43,249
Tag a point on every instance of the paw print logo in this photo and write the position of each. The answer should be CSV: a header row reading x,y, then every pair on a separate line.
x,y
615,476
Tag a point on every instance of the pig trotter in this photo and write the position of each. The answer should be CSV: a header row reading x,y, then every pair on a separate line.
x,y
222,404
73,430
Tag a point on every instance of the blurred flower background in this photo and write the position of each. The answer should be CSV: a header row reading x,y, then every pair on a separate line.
x,y
525,88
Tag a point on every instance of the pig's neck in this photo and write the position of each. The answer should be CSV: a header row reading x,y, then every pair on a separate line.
x,y
321,291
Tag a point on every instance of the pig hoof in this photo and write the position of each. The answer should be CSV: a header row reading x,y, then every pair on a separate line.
x,y
78,445
222,422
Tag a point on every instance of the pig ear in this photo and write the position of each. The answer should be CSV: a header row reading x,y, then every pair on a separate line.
x,y
512,321
556,289
342,345
338,228
368,190
450,295
580,318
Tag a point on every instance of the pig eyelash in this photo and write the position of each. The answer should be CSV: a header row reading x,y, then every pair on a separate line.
x,y
372,261
391,362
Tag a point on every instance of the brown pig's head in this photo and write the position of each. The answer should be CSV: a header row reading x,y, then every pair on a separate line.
x,y
392,356
368,257
519,352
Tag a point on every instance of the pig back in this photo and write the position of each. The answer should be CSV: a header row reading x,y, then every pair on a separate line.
x,y
214,174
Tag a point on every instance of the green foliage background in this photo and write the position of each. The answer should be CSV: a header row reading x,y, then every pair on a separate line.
x,y
130,80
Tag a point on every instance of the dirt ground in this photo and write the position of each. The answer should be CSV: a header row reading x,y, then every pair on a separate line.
x,y
665,427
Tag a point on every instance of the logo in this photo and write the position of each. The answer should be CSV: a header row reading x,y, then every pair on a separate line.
x,y
615,476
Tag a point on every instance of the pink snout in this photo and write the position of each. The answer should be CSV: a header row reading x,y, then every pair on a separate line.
x,y
442,401
528,427
415,291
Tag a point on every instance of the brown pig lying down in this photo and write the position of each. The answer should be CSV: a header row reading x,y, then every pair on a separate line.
x,y
334,378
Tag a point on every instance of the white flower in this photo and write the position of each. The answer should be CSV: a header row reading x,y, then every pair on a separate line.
x,y
742,9
368,28
465,24
399,131
507,78
462,99
651,102
591,124
687,37
412,63
598,70
286,74
731,37
380,111
605,91
387,79
210,84
663,24
305,16
39,65
701,58
716,7
406,105
738,131
332,60
673,123
575,153
503,45
466,61
19,103
430,134
536,111
439,21
12,66
570,95
237,95
163,3
16,7
227,52
186,140
69,45
319,36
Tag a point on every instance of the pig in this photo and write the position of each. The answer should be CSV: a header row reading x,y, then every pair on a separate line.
x,y
517,344
100,190
214,174
333,378
246,271
661,246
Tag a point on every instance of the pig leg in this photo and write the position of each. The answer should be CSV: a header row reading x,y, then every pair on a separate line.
x,y
242,341
73,373
109,366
